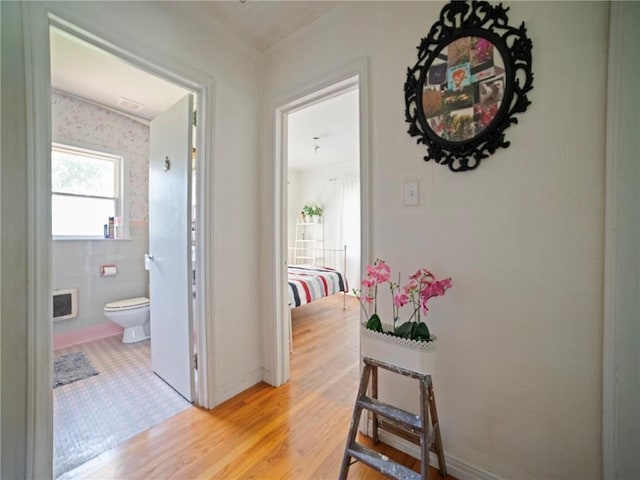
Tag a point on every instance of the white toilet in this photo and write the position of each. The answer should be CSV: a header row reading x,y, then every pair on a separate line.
x,y
132,314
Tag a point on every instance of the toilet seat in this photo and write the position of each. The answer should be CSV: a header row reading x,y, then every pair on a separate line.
x,y
127,304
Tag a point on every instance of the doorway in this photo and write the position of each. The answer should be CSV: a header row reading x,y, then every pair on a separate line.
x,y
83,120
350,80
323,170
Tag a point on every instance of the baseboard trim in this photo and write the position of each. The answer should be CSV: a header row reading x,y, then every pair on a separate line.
x,y
231,390
108,329
455,466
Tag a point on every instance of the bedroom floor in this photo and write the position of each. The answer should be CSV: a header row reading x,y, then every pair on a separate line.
x,y
98,413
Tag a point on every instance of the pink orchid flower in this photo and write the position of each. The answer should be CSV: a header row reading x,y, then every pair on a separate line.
x,y
400,299
366,298
421,287
368,283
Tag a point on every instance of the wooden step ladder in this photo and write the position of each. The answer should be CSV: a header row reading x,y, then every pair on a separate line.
x,y
394,419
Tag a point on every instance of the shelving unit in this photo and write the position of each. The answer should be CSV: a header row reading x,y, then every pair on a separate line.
x,y
309,242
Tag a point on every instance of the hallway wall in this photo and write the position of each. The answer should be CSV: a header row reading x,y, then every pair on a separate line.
x,y
14,303
518,378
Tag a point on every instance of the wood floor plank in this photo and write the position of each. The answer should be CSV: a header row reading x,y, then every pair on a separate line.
x,y
297,431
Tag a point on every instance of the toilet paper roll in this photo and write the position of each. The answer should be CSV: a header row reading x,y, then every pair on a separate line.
x,y
108,270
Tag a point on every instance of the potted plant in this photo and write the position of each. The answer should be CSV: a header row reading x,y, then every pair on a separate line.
x,y
307,212
317,213
312,212
407,344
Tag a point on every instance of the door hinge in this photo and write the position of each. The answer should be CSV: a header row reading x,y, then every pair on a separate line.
x,y
195,118
195,361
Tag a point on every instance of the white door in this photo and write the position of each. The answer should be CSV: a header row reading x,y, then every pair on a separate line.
x,y
169,263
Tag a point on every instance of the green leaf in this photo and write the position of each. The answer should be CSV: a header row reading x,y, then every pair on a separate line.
x,y
420,332
374,323
404,330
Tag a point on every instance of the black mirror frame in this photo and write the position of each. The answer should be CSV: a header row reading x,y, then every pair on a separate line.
x,y
480,19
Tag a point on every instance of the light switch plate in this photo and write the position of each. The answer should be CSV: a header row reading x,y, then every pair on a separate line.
x,y
411,193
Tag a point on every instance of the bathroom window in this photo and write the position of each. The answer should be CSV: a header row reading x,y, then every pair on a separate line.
x,y
86,187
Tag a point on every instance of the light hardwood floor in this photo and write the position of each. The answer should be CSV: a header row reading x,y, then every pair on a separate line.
x,y
297,431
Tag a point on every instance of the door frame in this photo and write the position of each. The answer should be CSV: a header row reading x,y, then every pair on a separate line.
x,y
621,342
333,83
36,19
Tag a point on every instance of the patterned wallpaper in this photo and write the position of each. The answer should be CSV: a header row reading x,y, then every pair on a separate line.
x,y
88,125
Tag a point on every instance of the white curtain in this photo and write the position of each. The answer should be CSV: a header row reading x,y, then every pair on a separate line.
x,y
349,226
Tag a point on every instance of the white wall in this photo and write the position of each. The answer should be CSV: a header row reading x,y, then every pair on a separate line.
x,y
320,186
159,32
621,380
519,371
13,249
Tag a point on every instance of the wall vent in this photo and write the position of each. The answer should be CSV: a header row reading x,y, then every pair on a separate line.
x,y
65,304
129,104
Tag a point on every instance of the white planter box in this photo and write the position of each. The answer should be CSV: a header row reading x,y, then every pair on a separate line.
x,y
409,354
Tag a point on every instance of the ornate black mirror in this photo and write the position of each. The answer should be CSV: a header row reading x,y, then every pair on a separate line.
x,y
471,78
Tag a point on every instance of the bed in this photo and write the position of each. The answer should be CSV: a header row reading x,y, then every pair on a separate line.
x,y
310,282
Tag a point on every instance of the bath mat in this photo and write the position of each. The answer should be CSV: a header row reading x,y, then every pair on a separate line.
x,y
71,368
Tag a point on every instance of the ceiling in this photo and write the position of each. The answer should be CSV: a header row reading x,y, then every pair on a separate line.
x,y
84,70
263,23
335,124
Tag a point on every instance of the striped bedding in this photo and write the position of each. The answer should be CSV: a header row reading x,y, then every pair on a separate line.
x,y
311,282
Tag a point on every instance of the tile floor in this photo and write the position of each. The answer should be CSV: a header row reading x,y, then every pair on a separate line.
x,y
124,399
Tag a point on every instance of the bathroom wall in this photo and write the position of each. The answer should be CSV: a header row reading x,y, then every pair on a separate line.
x,y
76,263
